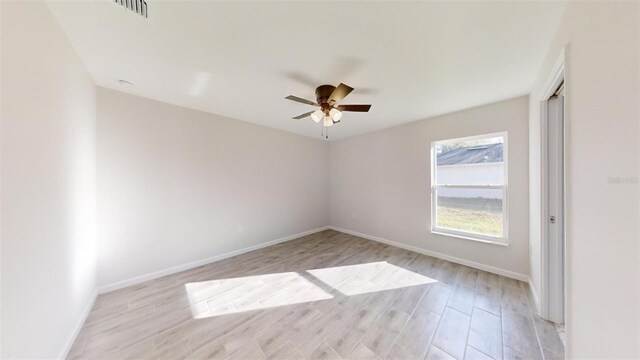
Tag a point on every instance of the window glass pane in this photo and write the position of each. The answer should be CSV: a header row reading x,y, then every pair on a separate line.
x,y
470,162
470,210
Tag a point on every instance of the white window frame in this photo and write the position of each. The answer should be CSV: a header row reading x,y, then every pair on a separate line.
x,y
497,240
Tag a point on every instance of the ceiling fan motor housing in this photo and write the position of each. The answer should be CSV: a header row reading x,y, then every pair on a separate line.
x,y
323,92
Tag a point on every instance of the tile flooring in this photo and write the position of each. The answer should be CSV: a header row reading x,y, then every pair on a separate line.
x,y
328,295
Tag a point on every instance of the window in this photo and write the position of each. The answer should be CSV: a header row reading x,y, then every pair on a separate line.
x,y
469,187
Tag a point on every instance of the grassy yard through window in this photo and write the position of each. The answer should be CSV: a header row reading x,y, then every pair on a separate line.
x,y
470,220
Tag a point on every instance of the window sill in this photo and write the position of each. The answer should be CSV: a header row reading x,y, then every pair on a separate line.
x,y
442,232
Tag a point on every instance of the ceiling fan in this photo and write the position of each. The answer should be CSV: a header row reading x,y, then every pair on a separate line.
x,y
326,98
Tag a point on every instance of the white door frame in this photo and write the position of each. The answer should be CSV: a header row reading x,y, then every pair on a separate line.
x,y
552,299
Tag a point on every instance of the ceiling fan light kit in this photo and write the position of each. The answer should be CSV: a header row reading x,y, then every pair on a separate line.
x,y
327,96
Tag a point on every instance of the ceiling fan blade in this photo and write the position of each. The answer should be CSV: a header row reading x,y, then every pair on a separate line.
x,y
301,100
302,116
359,108
340,93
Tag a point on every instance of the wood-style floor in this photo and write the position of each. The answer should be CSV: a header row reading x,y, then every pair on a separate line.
x,y
329,295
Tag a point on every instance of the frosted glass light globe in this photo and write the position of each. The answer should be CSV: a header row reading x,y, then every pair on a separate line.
x,y
335,114
317,115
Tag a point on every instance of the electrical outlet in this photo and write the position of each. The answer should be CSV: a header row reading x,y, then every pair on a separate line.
x,y
240,228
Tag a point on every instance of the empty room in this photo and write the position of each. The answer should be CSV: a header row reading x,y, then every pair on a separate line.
x,y
319,179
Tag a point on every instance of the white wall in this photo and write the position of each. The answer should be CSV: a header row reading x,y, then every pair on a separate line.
x,y
48,185
380,183
603,273
175,185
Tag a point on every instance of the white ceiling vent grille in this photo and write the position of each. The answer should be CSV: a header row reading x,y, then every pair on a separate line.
x,y
138,6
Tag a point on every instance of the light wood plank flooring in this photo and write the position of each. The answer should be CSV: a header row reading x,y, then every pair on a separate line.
x,y
324,296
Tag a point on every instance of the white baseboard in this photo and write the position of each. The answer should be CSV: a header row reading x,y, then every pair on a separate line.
x,y
78,327
175,269
457,260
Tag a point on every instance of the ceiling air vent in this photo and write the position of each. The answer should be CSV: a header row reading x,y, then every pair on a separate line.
x,y
139,6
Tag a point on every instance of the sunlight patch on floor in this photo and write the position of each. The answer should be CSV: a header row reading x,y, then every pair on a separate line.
x,y
369,277
229,296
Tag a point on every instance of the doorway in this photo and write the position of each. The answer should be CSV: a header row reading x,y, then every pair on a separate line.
x,y
553,204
